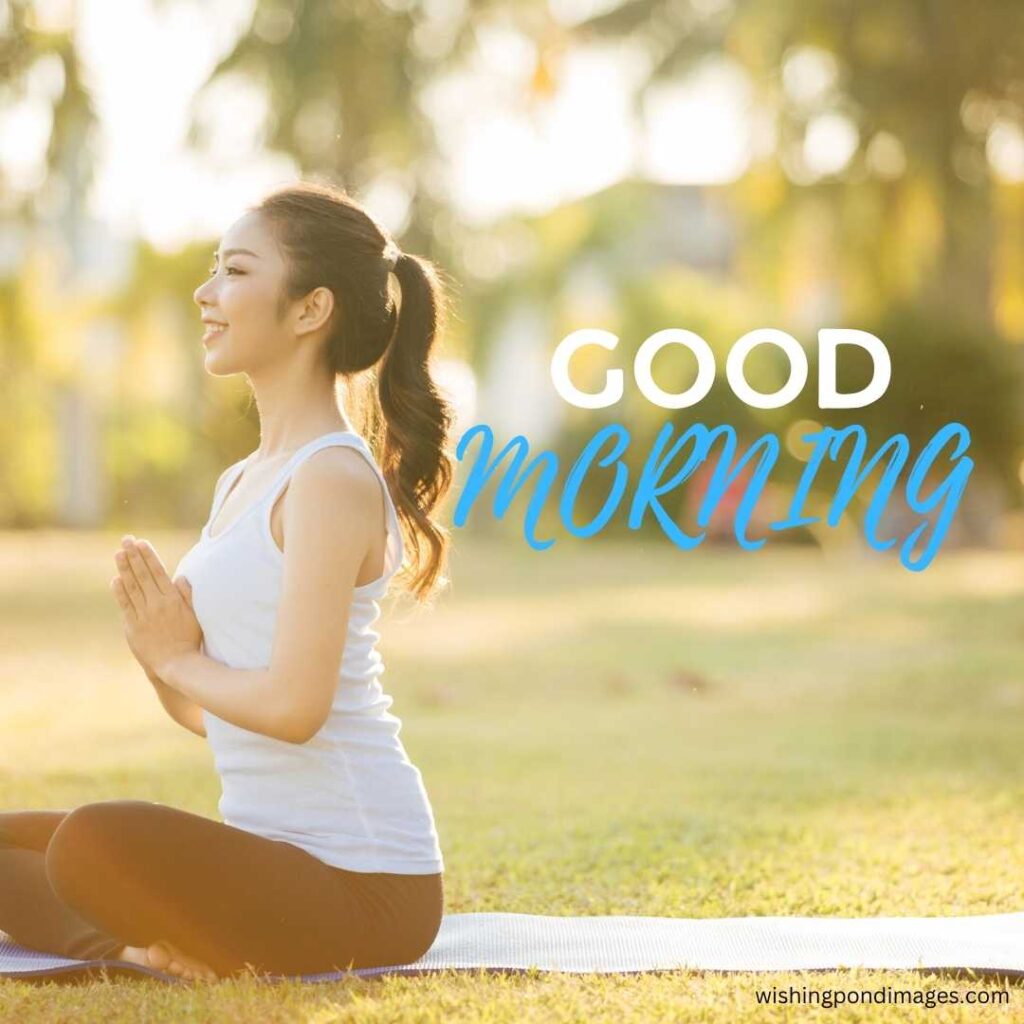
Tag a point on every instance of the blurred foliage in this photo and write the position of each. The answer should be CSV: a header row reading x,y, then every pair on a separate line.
x,y
922,81
943,370
913,235
344,80
41,59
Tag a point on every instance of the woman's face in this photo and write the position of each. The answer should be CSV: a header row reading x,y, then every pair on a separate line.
x,y
246,279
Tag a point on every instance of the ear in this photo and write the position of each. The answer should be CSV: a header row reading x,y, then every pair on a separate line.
x,y
317,307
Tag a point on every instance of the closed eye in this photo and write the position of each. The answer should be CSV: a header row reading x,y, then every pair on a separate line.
x,y
230,270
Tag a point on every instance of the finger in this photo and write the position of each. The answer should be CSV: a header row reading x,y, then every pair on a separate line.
x,y
155,566
139,567
184,588
121,595
129,582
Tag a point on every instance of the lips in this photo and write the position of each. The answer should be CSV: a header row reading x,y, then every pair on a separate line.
x,y
214,328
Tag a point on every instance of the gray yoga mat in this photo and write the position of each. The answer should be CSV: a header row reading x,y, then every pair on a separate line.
x,y
986,944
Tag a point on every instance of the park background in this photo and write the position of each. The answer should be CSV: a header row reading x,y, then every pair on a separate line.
x,y
611,725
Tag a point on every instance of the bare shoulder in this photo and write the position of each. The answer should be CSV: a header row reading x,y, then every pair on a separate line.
x,y
340,478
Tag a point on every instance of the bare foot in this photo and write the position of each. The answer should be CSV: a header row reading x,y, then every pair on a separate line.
x,y
165,957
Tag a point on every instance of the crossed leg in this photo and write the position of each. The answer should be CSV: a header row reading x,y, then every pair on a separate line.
x,y
30,911
132,872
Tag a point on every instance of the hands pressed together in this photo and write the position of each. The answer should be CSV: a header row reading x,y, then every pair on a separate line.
x,y
159,622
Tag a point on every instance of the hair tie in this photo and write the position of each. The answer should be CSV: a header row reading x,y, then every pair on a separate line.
x,y
391,255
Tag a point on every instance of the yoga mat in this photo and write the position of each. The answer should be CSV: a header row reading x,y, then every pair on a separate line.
x,y
984,944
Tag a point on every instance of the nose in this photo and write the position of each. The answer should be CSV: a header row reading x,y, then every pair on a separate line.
x,y
199,295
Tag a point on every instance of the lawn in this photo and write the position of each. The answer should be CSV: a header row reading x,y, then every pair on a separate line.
x,y
603,728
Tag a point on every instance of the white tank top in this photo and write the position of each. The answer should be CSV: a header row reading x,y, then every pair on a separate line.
x,y
350,796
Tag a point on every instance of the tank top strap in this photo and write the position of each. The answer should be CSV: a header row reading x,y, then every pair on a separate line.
x,y
228,479
343,438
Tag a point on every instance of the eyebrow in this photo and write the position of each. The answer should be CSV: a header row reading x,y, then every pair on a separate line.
x,y
233,252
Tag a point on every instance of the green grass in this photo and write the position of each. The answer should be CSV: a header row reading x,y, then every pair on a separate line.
x,y
603,728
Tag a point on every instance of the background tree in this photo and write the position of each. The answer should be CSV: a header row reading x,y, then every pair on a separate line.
x,y
925,83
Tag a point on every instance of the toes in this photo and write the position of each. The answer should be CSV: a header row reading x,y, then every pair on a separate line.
x,y
158,955
167,957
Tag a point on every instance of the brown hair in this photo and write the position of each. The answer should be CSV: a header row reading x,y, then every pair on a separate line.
x,y
329,240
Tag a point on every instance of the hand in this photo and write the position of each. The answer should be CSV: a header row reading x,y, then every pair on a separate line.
x,y
159,622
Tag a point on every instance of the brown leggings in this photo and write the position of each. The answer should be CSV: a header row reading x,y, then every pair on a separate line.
x,y
84,883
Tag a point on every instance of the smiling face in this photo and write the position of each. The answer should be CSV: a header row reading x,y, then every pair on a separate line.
x,y
245,328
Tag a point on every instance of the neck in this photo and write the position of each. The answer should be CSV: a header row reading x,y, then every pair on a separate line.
x,y
295,405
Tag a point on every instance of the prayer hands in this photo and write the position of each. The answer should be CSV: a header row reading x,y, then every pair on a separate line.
x,y
159,622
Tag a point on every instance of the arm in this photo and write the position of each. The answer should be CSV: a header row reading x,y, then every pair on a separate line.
x,y
329,519
184,711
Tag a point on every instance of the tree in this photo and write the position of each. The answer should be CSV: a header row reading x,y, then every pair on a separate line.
x,y
923,81
342,82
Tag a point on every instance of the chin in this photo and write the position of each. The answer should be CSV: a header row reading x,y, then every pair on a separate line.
x,y
220,364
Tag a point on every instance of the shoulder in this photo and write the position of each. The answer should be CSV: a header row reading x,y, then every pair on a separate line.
x,y
339,478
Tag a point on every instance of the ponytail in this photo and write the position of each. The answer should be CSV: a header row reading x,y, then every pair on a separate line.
x,y
416,421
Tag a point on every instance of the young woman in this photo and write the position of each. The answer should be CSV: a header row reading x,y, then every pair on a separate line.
x,y
328,856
